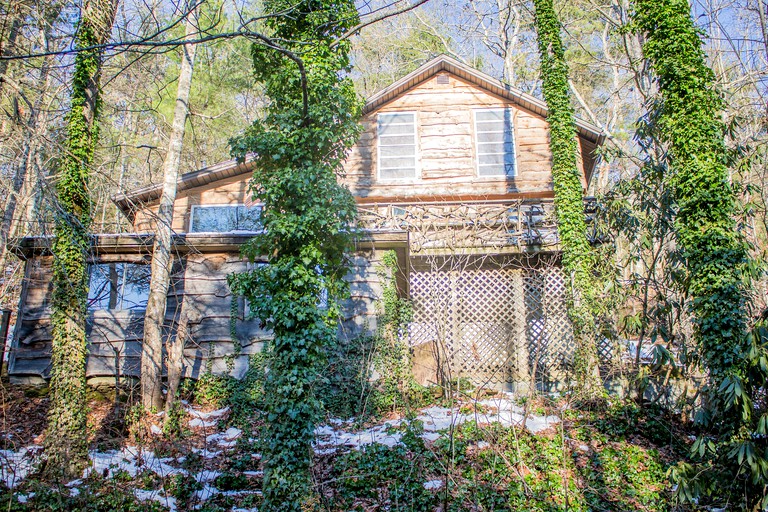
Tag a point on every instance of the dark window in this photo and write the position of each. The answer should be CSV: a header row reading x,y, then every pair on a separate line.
x,y
224,219
118,286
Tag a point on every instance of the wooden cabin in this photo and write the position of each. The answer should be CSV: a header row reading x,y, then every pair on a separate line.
x,y
452,171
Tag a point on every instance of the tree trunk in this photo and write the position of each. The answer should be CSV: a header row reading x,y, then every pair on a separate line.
x,y
152,353
176,361
569,197
66,443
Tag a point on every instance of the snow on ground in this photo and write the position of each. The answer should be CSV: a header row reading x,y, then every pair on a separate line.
x,y
201,419
338,435
132,460
158,496
436,420
15,466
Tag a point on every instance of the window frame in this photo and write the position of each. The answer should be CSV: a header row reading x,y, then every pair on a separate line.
x,y
195,207
505,174
416,151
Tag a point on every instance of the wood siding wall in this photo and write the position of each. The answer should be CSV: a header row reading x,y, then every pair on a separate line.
x,y
446,148
199,286
446,156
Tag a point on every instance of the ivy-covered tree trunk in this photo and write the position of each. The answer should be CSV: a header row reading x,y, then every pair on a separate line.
x,y
299,147
569,198
66,445
152,348
686,119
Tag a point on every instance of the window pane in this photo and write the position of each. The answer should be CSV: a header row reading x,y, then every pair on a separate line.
x,y
396,151
223,219
118,286
398,129
395,118
396,173
135,290
405,163
397,145
495,143
483,137
491,115
399,141
104,286
248,218
214,219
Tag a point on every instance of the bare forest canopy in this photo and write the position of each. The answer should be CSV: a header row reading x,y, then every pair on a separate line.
x,y
610,83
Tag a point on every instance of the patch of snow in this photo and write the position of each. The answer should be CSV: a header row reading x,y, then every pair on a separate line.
x,y
206,453
200,423
241,493
207,492
218,413
23,498
339,421
156,430
435,420
110,462
433,484
483,445
15,466
74,491
254,509
131,460
253,473
207,475
168,501
226,439
232,433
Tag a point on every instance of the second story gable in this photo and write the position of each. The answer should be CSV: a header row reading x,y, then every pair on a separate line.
x,y
445,132
449,130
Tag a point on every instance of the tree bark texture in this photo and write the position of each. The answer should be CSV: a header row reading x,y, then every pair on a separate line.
x,y
66,445
152,351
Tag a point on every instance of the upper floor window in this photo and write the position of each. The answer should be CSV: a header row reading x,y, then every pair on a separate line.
x,y
495,142
397,145
118,286
224,218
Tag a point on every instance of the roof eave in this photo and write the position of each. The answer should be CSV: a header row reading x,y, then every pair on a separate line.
x,y
132,201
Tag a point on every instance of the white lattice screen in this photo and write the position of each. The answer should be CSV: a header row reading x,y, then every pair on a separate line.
x,y
494,323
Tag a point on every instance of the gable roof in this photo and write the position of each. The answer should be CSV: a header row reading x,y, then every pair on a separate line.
x,y
590,135
444,63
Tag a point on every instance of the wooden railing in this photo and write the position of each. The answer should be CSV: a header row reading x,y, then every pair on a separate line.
x,y
517,224
497,224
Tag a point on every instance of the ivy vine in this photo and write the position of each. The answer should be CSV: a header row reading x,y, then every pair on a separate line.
x,y
66,442
578,258
299,147
686,120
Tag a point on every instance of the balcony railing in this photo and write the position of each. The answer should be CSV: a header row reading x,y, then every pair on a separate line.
x,y
517,224
500,224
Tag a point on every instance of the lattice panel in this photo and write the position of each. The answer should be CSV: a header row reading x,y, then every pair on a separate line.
x,y
495,324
